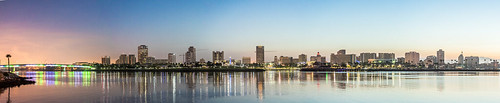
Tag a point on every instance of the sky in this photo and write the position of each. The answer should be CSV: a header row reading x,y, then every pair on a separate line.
x,y
67,31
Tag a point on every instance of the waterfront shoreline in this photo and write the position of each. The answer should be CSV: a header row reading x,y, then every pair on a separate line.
x,y
410,70
172,70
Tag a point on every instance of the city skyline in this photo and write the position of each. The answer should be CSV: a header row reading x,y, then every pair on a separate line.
x,y
88,30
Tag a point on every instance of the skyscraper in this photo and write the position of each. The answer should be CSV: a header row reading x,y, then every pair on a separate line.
x,y
106,60
171,58
440,57
218,56
302,58
461,58
260,54
412,57
131,59
190,55
142,53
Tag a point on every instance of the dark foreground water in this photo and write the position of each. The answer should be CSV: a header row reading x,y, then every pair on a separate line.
x,y
250,87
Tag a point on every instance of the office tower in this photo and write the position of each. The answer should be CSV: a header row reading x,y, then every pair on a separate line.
x,y
363,57
123,59
412,57
302,58
247,60
131,59
430,60
218,56
318,58
259,54
142,53
171,58
386,56
190,55
440,57
461,58
286,60
106,60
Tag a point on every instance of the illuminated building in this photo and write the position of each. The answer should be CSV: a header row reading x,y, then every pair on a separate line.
x,y
217,56
171,58
150,60
106,60
259,54
123,59
142,53
160,61
412,57
190,55
131,59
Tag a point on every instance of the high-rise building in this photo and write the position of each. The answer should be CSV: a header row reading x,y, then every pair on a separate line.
x,y
259,54
363,57
386,56
247,60
302,58
123,59
131,59
461,58
171,58
440,57
106,60
142,53
342,57
190,55
412,57
218,56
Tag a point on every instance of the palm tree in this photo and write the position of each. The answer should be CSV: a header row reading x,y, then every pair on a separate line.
x,y
8,61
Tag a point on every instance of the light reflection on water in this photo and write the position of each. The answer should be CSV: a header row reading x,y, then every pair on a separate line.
x,y
269,86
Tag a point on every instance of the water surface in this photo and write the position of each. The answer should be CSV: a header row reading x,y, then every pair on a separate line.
x,y
251,87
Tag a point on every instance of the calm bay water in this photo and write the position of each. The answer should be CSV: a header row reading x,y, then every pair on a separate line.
x,y
250,87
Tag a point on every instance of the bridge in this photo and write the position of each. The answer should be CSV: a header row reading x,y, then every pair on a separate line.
x,y
45,66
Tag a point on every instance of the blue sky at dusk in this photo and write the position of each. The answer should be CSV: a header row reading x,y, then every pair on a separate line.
x,y
66,31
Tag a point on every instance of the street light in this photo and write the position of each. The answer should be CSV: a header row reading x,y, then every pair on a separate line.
x,y
8,61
